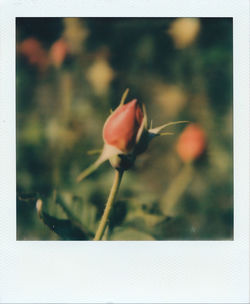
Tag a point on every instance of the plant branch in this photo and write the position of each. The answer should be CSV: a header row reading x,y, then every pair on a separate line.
x,y
108,208
176,189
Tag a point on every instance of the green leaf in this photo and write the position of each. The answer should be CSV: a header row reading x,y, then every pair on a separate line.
x,y
65,228
130,234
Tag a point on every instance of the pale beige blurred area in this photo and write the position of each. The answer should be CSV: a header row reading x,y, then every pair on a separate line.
x,y
75,33
100,74
170,97
184,31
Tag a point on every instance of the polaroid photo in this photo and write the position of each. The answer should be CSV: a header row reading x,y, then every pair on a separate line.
x,y
125,160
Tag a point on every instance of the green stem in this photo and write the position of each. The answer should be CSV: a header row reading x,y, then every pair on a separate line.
x,y
111,199
176,189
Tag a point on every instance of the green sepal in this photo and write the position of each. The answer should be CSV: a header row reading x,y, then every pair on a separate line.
x,y
107,152
158,129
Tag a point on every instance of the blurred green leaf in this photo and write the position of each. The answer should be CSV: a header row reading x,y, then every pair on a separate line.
x,y
130,234
66,229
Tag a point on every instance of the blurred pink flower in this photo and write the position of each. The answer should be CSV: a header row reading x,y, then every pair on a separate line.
x,y
58,52
191,143
32,49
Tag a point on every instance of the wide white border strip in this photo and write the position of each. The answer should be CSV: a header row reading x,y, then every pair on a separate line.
x,y
122,272
126,8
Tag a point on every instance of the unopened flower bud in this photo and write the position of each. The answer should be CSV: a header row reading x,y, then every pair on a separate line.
x,y
191,143
126,134
36,55
121,128
58,52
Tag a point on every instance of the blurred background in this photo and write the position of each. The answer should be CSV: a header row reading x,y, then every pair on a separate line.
x,y
70,72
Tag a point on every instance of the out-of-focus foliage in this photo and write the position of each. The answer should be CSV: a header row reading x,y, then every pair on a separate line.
x,y
70,73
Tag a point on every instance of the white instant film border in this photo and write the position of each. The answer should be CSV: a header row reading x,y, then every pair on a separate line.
x,y
124,272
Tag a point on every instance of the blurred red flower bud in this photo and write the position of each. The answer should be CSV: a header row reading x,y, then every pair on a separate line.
x,y
58,52
191,143
32,49
121,128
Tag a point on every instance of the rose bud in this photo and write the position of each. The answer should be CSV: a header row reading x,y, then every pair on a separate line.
x,y
121,128
191,143
33,50
58,52
126,135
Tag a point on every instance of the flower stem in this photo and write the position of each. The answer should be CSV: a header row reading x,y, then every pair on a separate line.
x,y
111,199
176,189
